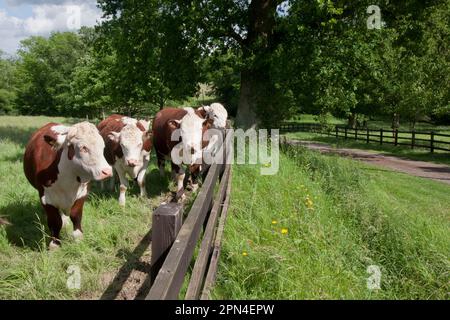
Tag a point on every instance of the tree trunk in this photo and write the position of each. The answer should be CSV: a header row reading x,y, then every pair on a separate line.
x,y
246,116
352,120
257,46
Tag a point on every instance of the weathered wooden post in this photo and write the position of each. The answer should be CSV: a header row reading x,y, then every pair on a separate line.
x,y
367,140
381,136
396,137
356,133
413,139
337,132
345,133
166,222
432,142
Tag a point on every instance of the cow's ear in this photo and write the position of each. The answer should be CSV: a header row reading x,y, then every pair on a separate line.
x,y
208,123
145,125
174,124
114,136
55,142
201,112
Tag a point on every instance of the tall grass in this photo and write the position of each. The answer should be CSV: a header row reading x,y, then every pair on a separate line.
x,y
27,269
356,216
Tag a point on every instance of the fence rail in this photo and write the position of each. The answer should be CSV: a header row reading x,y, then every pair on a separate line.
x,y
430,140
174,242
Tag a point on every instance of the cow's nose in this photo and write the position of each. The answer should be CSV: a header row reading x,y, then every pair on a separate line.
x,y
106,173
192,150
132,163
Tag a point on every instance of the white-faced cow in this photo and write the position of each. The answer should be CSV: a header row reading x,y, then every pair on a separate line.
x,y
59,162
128,145
216,112
182,128
219,115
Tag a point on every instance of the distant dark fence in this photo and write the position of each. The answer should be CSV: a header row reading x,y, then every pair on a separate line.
x,y
430,140
174,241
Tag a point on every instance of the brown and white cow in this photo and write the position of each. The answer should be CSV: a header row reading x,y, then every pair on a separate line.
x,y
59,162
180,131
128,145
219,115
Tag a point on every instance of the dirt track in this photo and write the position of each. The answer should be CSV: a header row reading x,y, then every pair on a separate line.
x,y
429,170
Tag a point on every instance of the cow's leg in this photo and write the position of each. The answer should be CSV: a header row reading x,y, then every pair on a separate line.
x,y
54,223
180,174
112,182
141,182
76,214
161,163
195,172
123,185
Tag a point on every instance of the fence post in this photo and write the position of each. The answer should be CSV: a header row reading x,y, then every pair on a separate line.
x,y
367,135
356,133
337,132
396,137
413,138
432,142
166,222
381,136
345,133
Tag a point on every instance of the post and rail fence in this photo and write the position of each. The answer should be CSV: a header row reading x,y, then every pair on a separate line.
x,y
414,139
174,241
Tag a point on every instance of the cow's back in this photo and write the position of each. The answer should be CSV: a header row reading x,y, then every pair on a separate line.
x,y
162,132
112,118
41,160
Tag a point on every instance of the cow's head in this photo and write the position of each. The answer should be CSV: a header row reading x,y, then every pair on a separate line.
x,y
217,113
190,129
131,139
84,146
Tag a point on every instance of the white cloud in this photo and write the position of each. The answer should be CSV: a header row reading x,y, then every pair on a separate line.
x,y
47,16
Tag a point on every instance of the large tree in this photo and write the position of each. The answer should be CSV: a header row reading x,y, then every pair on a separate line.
x,y
157,59
7,83
44,72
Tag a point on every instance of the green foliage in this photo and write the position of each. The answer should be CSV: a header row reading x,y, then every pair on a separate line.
x,y
156,57
44,73
7,84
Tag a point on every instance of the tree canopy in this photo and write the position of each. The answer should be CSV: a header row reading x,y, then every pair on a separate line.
x,y
267,60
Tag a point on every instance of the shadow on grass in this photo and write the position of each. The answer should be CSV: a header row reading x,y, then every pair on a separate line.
x,y
26,222
154,184
17,135
132,263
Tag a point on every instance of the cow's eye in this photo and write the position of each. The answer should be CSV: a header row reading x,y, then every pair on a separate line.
x,y
84,149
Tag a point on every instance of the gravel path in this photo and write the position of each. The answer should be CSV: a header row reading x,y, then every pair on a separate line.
x,y
429,170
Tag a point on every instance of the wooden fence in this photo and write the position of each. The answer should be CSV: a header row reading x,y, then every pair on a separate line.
x,y
415,139
174,242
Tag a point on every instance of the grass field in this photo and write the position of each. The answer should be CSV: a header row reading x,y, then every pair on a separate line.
x,y
312,231
27,269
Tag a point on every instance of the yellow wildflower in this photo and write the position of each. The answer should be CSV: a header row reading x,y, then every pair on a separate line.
x,y
284,231
244,254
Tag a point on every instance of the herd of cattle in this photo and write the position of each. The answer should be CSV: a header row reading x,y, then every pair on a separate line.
x,y
60,160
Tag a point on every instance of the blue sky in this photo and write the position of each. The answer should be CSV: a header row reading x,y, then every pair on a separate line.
x,y
20,19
